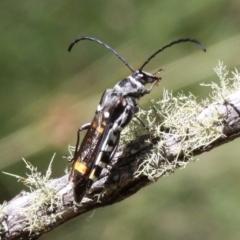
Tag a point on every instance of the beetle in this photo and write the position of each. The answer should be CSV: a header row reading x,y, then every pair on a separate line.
x,y
116,109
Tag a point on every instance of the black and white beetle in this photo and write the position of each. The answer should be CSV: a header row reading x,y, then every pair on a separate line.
x,y
116,109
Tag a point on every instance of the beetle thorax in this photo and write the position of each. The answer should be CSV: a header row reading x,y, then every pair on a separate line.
x,y
130,87
133,85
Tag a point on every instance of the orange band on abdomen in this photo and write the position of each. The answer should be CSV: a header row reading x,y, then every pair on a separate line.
x,y
80,167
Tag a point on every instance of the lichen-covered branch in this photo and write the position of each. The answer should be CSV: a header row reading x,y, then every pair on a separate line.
x,y
179,129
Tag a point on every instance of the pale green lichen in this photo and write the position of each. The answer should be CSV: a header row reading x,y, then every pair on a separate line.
x,y
178,116
227,86
41,213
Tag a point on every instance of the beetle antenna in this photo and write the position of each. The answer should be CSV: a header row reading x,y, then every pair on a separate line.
x,y
105,45
169,45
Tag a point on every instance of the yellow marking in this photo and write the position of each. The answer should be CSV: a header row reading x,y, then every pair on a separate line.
x,y
100,129
80,167
94,124
97,127
92,176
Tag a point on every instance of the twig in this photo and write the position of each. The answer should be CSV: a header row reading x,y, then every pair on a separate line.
x,y
139,161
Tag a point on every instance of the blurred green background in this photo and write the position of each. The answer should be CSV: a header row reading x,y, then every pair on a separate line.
x,y
47,93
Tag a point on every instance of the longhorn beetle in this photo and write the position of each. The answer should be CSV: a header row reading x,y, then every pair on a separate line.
x,y
116,109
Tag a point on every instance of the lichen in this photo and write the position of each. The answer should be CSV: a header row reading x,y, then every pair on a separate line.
x,y
178,116
42,212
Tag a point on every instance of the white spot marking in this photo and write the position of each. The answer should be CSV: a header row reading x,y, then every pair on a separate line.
x,y
93,177
98,158
99,108
102,164
106,114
